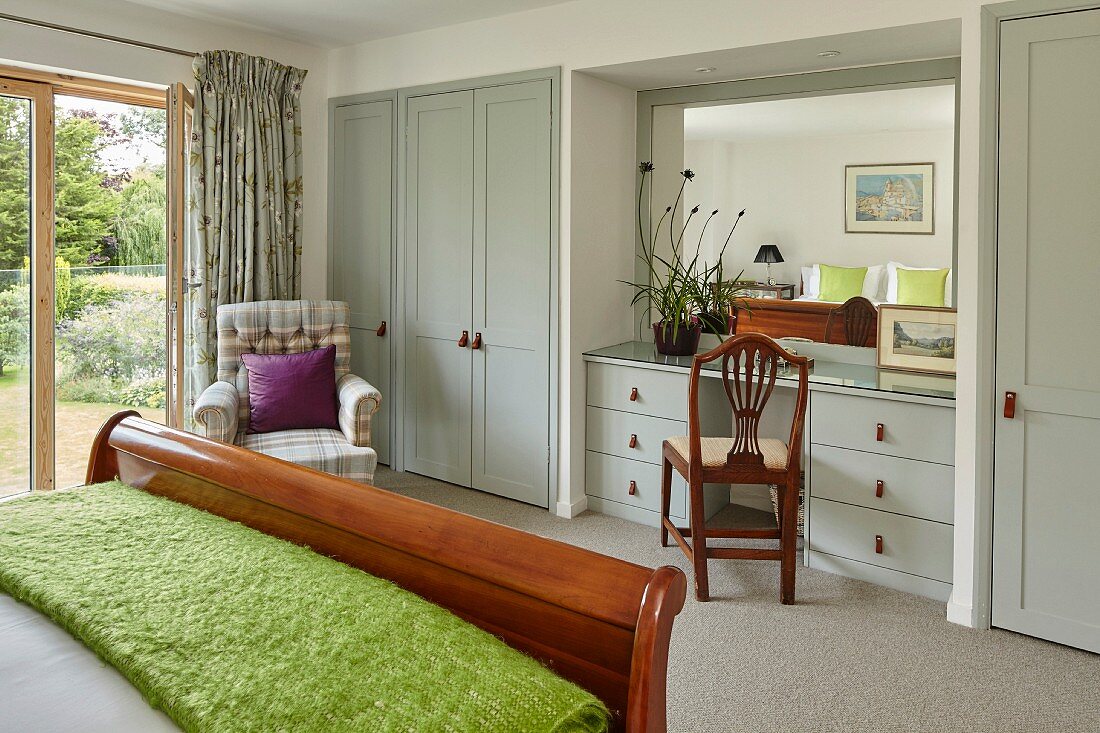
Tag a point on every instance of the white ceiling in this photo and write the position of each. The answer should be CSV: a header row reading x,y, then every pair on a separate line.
x,y
935,40
334,23
893,110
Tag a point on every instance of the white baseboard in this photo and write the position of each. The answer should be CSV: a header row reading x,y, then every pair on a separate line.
x,y
568,511
960,613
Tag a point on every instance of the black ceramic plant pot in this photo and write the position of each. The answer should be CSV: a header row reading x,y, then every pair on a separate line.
x,y
682,341
719,324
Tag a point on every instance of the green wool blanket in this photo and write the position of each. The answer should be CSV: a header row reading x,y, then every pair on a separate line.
x,y
228,629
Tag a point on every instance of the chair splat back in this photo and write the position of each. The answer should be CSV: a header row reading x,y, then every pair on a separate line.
x,y
748,386
859,316
750,366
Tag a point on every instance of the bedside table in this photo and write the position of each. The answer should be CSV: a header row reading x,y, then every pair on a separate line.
x,y
781,291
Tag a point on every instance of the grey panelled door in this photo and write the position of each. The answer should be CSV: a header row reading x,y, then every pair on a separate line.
x,y
511,291
438,301
362,244
1046,506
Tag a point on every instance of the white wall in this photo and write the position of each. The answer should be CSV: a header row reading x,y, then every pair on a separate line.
x,y
793,191
22,45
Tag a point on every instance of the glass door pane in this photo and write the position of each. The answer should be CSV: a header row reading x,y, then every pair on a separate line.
x,y
110,271
15,294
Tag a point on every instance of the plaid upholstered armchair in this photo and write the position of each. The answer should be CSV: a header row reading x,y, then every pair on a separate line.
x,y
290,327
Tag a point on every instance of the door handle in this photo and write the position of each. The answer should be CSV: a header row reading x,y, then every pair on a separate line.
x,y
1010,405
477,341
633,488
464,339
381,329
633,394
878,544
633,441
879,486
880,432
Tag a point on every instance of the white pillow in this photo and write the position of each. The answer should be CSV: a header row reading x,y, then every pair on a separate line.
x,y
892,282
811,281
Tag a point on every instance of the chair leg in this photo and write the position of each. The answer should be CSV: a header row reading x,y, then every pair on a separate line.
x,y
666,499
698,525
788,540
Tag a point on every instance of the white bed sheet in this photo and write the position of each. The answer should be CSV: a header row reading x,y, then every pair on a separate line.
x,y
51,683
876,303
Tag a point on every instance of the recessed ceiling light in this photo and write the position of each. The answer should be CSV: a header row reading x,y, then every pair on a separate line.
x,y
705,69
828,54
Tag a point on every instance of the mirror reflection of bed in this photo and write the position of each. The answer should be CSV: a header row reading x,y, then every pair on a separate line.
x,y
855,190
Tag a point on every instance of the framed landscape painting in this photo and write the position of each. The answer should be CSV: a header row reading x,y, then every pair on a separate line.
x,y
918,339
889,199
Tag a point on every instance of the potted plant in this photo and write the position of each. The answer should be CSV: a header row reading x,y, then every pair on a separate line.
x,y
687,296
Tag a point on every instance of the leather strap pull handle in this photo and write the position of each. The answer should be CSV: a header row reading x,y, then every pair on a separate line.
x,y
880,432
880,485
477,341
1010,405
633,488
381,329
878,544
464,339
633,443
633,394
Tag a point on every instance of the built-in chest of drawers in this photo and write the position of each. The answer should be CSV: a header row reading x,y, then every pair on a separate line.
x,y
878,460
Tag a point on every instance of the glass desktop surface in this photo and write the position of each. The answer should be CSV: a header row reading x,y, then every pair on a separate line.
x,y
840,374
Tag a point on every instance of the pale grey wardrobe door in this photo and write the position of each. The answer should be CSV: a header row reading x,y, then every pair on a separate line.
x,y
362,236
511,286
438,255
1046,504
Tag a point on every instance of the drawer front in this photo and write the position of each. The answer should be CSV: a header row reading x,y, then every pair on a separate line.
x,y
909,545
915,488
609,477
610,431
910,430
660,394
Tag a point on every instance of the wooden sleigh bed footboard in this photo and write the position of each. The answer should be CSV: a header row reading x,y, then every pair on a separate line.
x,y
799,318
600,622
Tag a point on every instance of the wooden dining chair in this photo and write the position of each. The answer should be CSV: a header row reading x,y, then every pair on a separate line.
x,y
750,364
859,316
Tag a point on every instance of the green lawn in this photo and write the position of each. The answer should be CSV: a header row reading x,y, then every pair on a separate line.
x,y
76,426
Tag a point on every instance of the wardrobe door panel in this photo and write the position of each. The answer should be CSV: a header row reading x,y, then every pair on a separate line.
x,y
438,256
511,287
362,234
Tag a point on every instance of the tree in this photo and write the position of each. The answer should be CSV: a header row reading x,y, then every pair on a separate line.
x,y
146,124
85,207
139,226
14,182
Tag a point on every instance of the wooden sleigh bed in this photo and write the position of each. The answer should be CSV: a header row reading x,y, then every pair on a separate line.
x,y
799,318
599,622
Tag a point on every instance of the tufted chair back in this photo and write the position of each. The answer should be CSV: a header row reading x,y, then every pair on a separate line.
x,y
278,327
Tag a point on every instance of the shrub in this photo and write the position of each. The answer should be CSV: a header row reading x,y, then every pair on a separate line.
x,y
145,393
120,341
15,326
95,389
102,289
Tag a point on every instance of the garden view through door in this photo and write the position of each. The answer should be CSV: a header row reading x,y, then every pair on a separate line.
x,y
110,259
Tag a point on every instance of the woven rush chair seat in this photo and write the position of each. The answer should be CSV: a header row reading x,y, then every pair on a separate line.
x,y
716,451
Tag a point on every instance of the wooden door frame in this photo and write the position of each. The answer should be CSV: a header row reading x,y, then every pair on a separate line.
x,y
41,87
553,74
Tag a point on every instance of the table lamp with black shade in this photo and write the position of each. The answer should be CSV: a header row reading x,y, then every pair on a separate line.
x,y
768,254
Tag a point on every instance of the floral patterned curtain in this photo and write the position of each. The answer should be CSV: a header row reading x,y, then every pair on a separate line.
x,y
245,201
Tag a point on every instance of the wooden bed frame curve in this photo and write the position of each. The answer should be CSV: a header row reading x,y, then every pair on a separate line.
x,y
600,622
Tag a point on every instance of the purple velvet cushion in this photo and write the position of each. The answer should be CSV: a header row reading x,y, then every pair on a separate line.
x,y
292,391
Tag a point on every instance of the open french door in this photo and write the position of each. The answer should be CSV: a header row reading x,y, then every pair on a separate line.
x,y
180,104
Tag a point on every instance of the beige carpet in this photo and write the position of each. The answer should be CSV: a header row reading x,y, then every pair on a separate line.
x,y
850,656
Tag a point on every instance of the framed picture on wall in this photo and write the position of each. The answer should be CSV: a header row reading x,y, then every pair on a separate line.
x,y
917,338
889,199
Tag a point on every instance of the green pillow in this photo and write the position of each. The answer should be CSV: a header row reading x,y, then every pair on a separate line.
x,y
840,283
921,287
